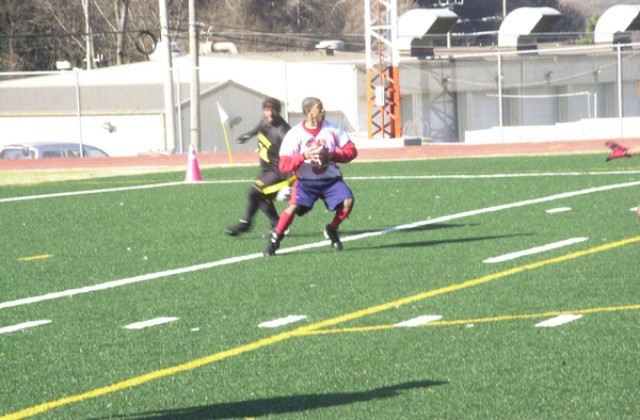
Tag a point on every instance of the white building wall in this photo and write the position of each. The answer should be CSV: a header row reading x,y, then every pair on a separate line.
x,y
337,85
130,135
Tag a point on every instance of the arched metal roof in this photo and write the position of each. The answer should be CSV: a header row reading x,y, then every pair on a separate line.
x,y
518,27
417,23
615,21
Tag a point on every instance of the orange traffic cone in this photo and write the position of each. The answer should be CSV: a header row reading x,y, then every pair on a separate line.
x,y
193,170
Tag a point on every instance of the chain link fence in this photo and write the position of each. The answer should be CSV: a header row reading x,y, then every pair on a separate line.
x,y
75,106
546,94
578,93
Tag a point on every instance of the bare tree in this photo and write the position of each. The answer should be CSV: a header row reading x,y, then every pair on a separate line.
x,y
12,23
63,23
35,34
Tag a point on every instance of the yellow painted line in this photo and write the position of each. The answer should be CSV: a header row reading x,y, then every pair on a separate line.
x,y
36,257
139,380
301,331
478,320
463,285
367,328
540,315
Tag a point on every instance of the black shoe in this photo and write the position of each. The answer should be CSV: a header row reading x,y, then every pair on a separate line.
x,y
332,234
241,227
272,245
270,232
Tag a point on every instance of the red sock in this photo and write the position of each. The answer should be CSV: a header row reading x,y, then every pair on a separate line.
x,y
284,222
341,214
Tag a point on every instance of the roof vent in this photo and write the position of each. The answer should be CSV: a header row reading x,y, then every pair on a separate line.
x,y
218,47
329,46
518,29
158,53
615,22
419,28
63,65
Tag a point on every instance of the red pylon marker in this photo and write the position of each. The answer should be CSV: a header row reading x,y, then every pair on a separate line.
x,y
193,170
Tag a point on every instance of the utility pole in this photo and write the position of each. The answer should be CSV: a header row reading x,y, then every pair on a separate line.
x,y
383,58
122,13
88,36
169,102
195,75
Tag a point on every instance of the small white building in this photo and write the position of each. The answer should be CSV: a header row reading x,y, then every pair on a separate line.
x,y
121,109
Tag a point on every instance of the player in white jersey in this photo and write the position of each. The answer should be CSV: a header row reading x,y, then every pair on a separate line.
x,y
312,150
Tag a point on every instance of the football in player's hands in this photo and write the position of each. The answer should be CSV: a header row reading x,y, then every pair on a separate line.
x,y
321,156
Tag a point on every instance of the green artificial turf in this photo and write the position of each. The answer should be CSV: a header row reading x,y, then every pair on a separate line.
x,y
414,246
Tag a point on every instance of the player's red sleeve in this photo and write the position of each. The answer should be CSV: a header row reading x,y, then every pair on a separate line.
x,y
290,163
345,154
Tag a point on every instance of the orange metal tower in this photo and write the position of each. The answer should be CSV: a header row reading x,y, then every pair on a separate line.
x,y
383,57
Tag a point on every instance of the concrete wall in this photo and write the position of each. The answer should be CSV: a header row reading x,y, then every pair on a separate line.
x,y
595,129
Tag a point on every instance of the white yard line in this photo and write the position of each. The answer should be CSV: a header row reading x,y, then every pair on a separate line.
x,y
490,210
357,178
421,320
72,193
492,176
117,189
282,321
151,323
152,276
558,320
24,325
535,250
558,210
123,282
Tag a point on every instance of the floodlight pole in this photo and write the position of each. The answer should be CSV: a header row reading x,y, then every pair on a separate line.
x,y
383,58
195,75
88,36
169,102
620,103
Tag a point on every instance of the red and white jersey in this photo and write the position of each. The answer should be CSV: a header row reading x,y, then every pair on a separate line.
x,y
300,139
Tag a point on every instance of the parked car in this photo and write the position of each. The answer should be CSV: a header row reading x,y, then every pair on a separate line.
x,y
48,150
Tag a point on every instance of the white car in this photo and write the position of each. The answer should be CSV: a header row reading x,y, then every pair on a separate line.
x,y
49,150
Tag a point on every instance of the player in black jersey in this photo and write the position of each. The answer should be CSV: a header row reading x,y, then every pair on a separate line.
x,y
270,131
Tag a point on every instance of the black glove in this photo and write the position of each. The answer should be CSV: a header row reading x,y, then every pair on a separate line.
x,y
243,139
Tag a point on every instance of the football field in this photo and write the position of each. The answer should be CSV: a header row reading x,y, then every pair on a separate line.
x,y
502,287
